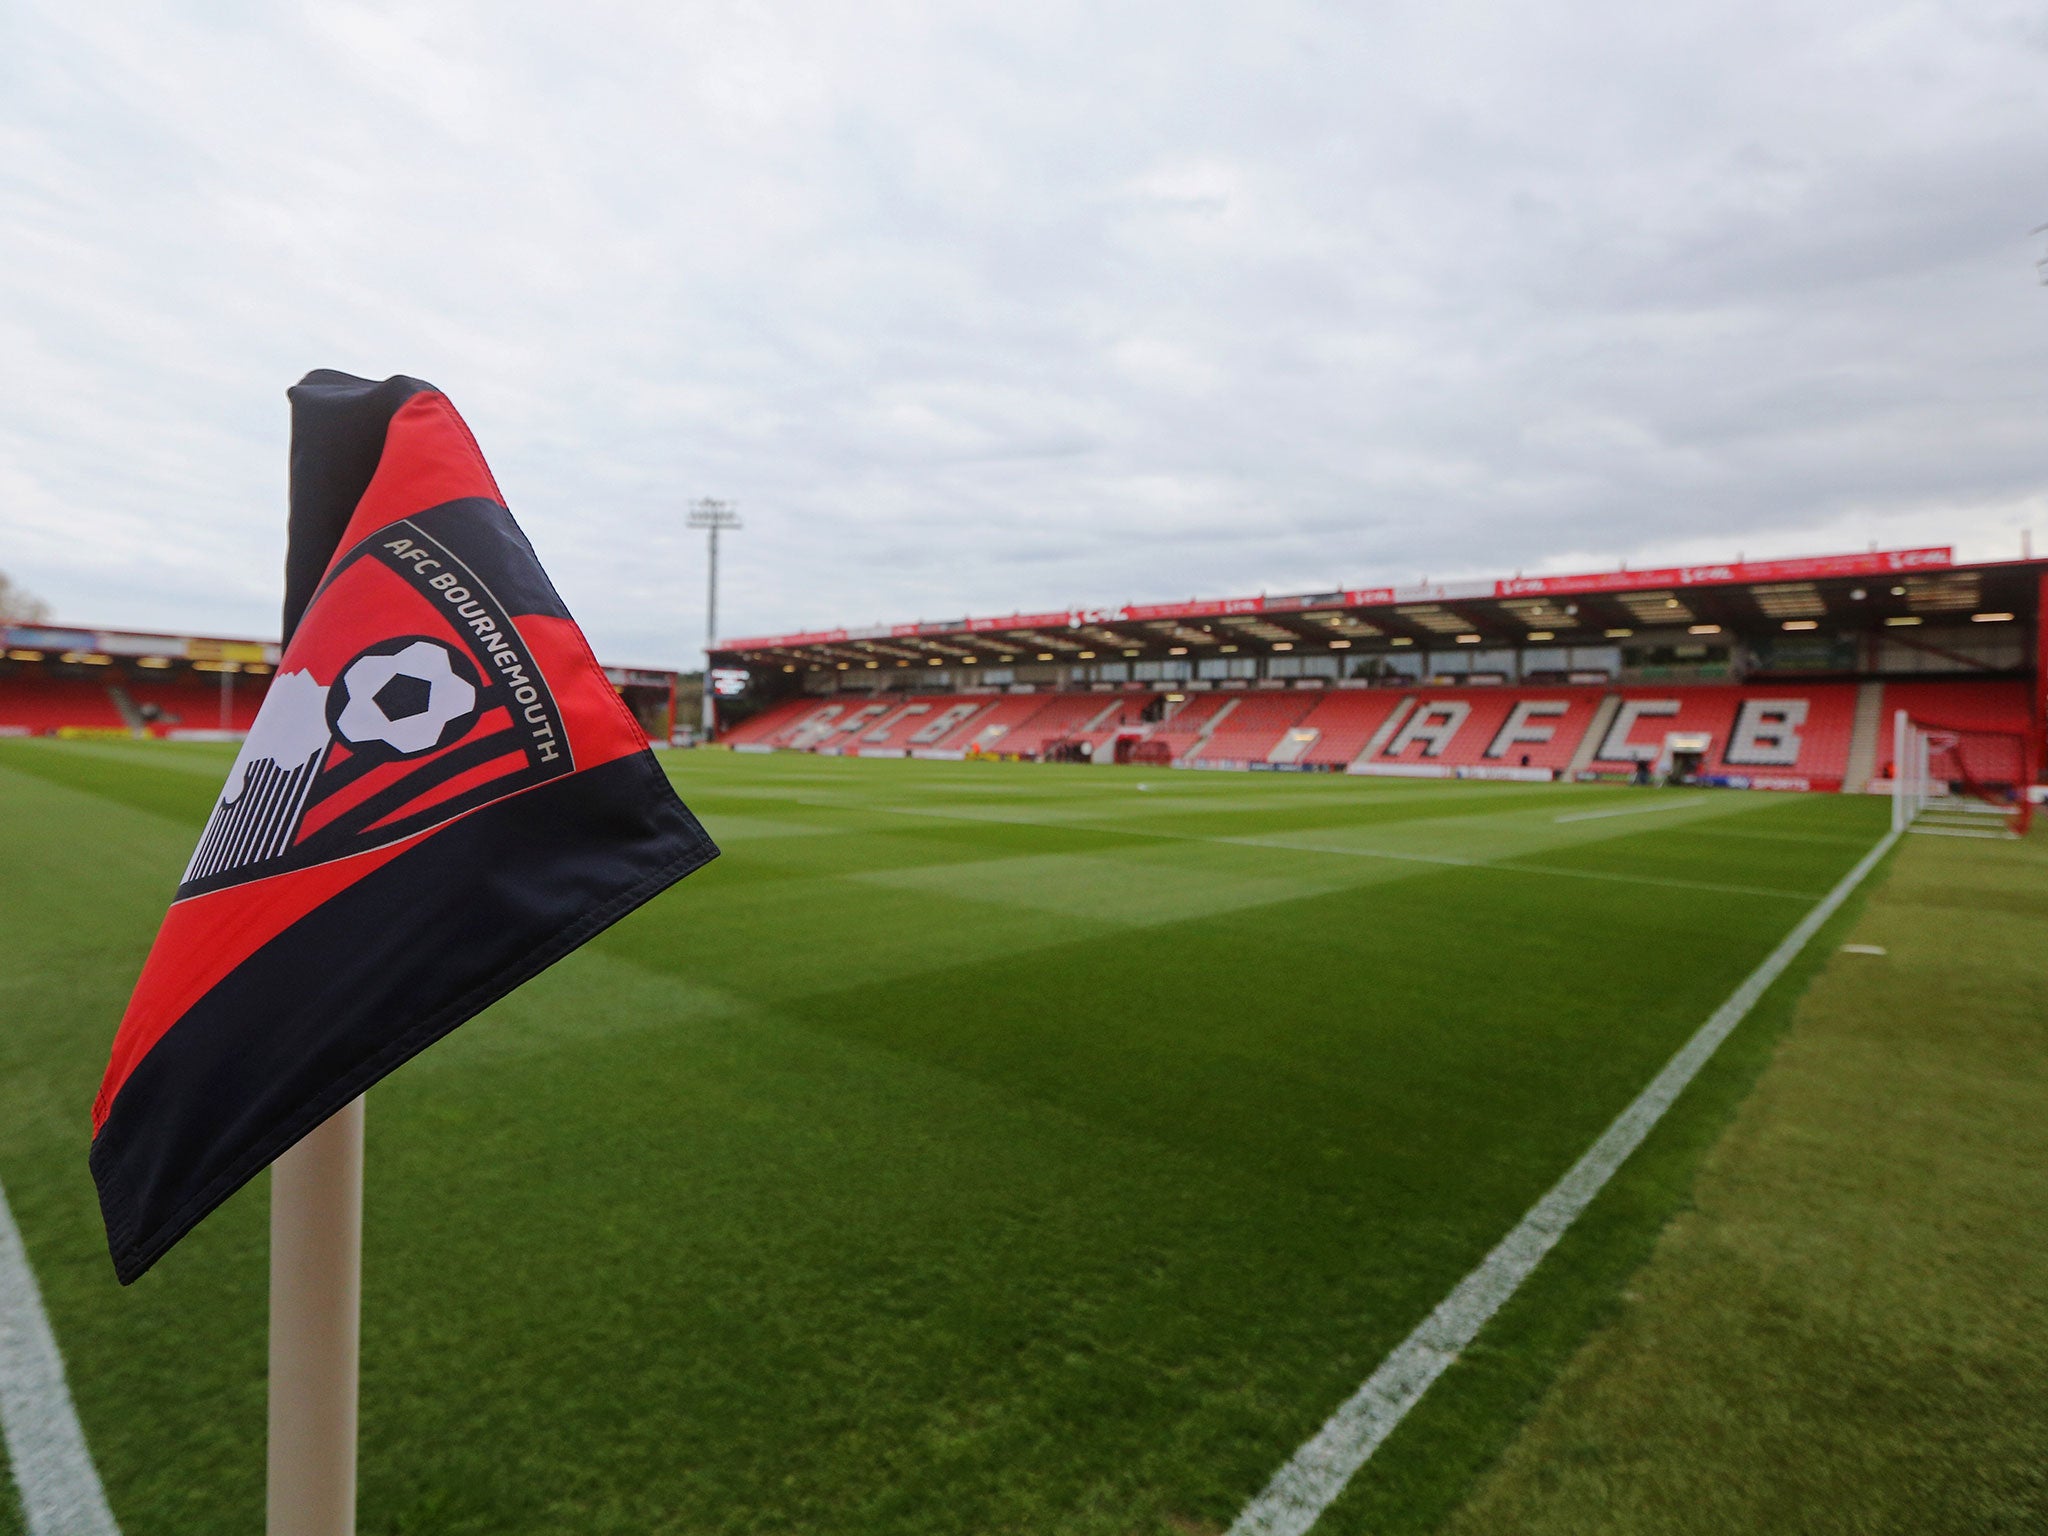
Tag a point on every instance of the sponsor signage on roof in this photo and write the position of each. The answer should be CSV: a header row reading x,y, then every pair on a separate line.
x,y
32,637
1193,609
1874,563
200,649
119,642
115,643
1019,621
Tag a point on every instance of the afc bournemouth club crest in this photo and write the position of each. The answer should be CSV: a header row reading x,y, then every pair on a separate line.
x,y
362,741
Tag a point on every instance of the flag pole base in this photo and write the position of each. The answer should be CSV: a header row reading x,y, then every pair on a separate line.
x,y
316,1264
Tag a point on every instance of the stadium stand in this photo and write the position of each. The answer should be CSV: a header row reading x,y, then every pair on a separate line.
x,y
1058,716
861,718
46,704
2001,707
1487,729
1762,733
1183,730
1327,681
773,725
1120,717
1775,673
1250,732
986,728
1343,722
1784,736
193,702
888,734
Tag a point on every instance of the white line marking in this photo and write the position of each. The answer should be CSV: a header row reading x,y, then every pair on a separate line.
x,y
1318,1472
60,1490
1631,810
1863,949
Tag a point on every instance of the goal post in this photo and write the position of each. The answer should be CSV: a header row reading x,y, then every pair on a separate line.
x,y
1957,778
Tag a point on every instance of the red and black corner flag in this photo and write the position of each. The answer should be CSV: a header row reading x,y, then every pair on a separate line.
x,y
441,796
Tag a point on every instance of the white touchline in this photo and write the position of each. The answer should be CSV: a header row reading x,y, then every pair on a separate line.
x,y
1306,1486
1630,810
60,1490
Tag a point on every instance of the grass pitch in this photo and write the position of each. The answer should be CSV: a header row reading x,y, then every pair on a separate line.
x,y
1848,1331
973,1148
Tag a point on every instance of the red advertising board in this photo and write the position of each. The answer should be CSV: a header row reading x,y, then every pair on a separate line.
x,y
1875,563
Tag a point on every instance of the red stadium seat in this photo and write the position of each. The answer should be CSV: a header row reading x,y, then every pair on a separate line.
x,y
1344,720
1791,736
1483,729
2004,706
32,702
1250,731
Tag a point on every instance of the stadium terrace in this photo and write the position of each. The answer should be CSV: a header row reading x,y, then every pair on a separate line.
x,y
1761,674
76,682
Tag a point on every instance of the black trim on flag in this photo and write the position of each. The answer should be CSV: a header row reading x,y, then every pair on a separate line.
x,y
339,423
371,977
493,549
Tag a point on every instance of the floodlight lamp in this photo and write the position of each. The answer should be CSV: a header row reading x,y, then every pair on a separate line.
x,y
1899,621
1283,645
1340,645
711,513
1704,629
1228,649
1619,634
1990,618
1541,634
1800,624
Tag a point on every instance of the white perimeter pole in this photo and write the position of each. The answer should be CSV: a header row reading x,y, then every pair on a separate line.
x,y
316,1268
1899,816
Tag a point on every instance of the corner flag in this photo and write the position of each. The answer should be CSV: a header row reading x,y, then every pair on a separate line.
x,y
441,796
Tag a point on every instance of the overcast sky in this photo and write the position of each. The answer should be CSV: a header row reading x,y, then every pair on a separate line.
x,y
978,308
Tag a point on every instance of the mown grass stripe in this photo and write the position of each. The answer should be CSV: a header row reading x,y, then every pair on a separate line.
x,y
53,1471
1441,860
1317,1473
1629,810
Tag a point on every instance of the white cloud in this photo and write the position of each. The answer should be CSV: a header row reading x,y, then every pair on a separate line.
x,y
981,308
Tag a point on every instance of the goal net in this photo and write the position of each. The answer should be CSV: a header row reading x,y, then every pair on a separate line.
x,y
1961,780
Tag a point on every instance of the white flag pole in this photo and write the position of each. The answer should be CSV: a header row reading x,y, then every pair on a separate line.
x,y
316,1268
